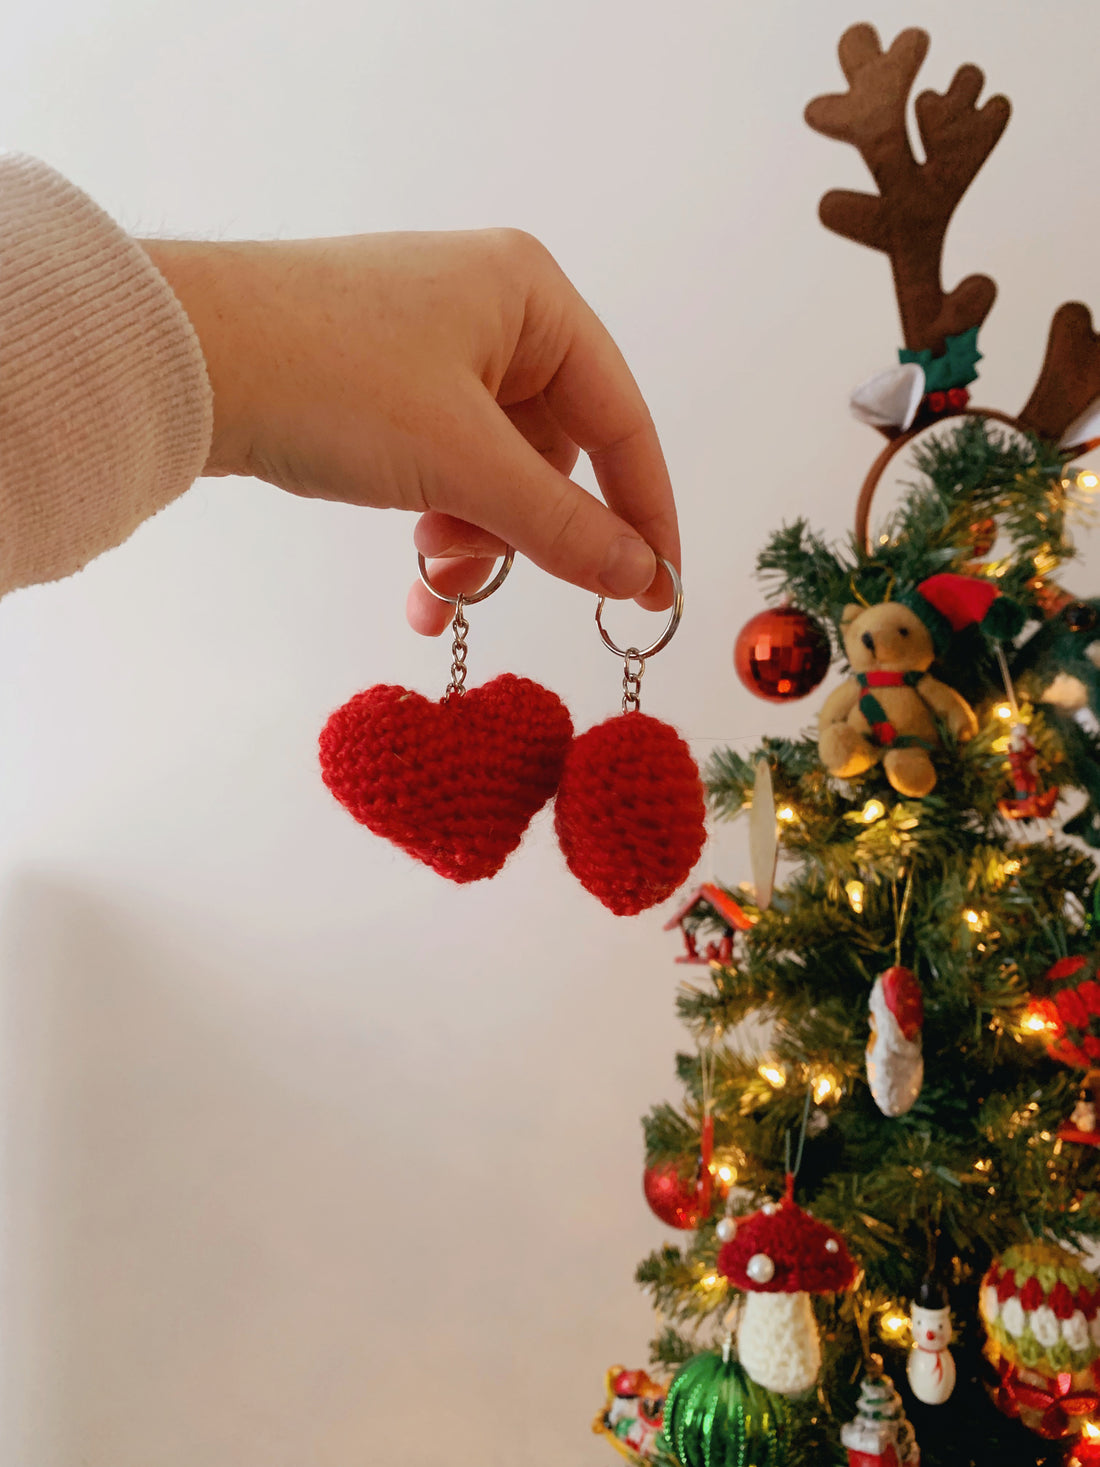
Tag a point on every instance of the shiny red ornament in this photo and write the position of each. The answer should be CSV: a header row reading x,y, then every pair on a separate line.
x,y
683,1202
781,654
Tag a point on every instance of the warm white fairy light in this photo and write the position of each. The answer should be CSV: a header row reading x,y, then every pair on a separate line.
x,y
1086,479
1004,710
872,811
893,1324
775,1077
786,813
855,893
975,920
824,1087
1012,866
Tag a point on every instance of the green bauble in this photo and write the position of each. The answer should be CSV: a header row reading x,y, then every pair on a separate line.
x,y
715,1416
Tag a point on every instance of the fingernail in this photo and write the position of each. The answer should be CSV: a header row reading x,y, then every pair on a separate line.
x,y
628,567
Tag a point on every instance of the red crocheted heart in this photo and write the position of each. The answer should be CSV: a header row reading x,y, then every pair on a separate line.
x,y
455,783
629,812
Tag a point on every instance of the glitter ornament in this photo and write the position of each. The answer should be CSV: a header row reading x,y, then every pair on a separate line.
x,y
1041,1310
716,1416
782,654
683,1202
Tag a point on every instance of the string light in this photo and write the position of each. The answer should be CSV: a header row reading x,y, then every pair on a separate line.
x,y
1087,480
1012,866
975,920
726,1174
775,1077
786,813
1034,1022
824,1087
854,891
893,1324
872,811
709,1280
1003,710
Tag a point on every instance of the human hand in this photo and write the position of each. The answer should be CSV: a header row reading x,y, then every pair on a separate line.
x,y
458,374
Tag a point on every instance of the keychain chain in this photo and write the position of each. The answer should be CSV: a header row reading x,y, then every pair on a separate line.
x,y
632,680
460,626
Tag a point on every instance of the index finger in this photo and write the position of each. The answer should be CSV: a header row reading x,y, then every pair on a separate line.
x,y
595,398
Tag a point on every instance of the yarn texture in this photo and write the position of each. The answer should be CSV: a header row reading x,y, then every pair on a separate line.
x,y
454,783
629,813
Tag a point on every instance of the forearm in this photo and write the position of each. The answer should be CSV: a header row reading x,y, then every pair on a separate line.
x,y
105,406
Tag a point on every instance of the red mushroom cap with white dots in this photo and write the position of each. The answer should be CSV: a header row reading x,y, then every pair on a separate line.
x,y
783,1250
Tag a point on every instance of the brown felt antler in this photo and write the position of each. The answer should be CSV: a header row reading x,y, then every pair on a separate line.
x,y
1070,379
908,218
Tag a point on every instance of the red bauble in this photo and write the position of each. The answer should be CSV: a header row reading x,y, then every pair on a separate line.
x,y
629,812
676,1200
781,654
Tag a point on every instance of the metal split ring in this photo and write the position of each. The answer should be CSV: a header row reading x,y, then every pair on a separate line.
x,y
670,630
471,600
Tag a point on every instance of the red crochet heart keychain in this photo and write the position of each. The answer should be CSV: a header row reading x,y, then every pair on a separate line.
x,y
453,783
630,807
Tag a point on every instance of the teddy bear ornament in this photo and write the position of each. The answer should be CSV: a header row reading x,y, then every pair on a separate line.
x,y
889,710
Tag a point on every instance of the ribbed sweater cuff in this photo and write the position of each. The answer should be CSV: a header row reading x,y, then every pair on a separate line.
x,y
106,412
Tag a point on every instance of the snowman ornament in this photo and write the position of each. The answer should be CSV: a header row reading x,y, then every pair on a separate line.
x,y
931,1368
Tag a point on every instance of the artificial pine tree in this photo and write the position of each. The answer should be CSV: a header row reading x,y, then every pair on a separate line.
x,y
926,880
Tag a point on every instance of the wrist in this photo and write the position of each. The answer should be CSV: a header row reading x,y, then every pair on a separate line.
x,y
209,282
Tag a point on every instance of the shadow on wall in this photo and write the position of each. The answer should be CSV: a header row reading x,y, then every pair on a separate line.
x,y
189,1266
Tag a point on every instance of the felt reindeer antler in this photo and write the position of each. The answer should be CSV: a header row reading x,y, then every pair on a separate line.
x,y
908,218
1070,380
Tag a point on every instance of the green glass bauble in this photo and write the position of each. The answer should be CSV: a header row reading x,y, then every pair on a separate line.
x,y
715,1416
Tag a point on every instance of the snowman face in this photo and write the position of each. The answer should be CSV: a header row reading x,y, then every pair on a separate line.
x,y
931,1328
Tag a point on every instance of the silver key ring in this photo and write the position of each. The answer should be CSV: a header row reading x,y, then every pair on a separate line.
x,y
486,591
669,631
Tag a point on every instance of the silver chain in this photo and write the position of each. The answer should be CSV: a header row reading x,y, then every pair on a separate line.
x,y
632,680
460,626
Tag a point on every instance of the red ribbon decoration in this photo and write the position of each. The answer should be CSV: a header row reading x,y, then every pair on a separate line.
x,y
1057,1406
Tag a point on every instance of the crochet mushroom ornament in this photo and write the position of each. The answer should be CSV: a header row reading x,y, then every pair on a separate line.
x,y
779,1256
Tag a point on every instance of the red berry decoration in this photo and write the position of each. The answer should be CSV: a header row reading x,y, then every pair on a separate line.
x,y
957,398
453,783
629,812
1071,1013
781,654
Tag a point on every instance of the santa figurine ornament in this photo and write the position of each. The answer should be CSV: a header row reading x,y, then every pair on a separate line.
x,y
931,1367
1029,799
895,1063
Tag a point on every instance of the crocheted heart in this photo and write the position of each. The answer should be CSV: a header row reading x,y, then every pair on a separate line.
x,y
454,783
629,812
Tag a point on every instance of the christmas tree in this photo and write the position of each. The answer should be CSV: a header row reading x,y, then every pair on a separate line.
x,y
885,1216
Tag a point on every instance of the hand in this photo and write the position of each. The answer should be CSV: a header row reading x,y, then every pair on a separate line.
x,y
455,374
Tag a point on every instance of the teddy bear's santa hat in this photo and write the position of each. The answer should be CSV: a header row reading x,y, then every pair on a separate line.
x,y
948,602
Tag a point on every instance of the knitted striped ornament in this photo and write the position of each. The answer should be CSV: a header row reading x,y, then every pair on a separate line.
x,y
1041,1308
454,783
629,812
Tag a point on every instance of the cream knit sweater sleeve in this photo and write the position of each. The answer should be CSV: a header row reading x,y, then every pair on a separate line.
x,y
106,411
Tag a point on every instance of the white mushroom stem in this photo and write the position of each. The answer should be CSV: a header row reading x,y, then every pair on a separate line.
x,y
778,1342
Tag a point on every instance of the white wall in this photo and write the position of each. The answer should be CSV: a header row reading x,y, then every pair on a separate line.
x,y
310,1159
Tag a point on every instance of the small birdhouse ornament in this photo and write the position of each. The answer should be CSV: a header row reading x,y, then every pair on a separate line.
x,y
931,1367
